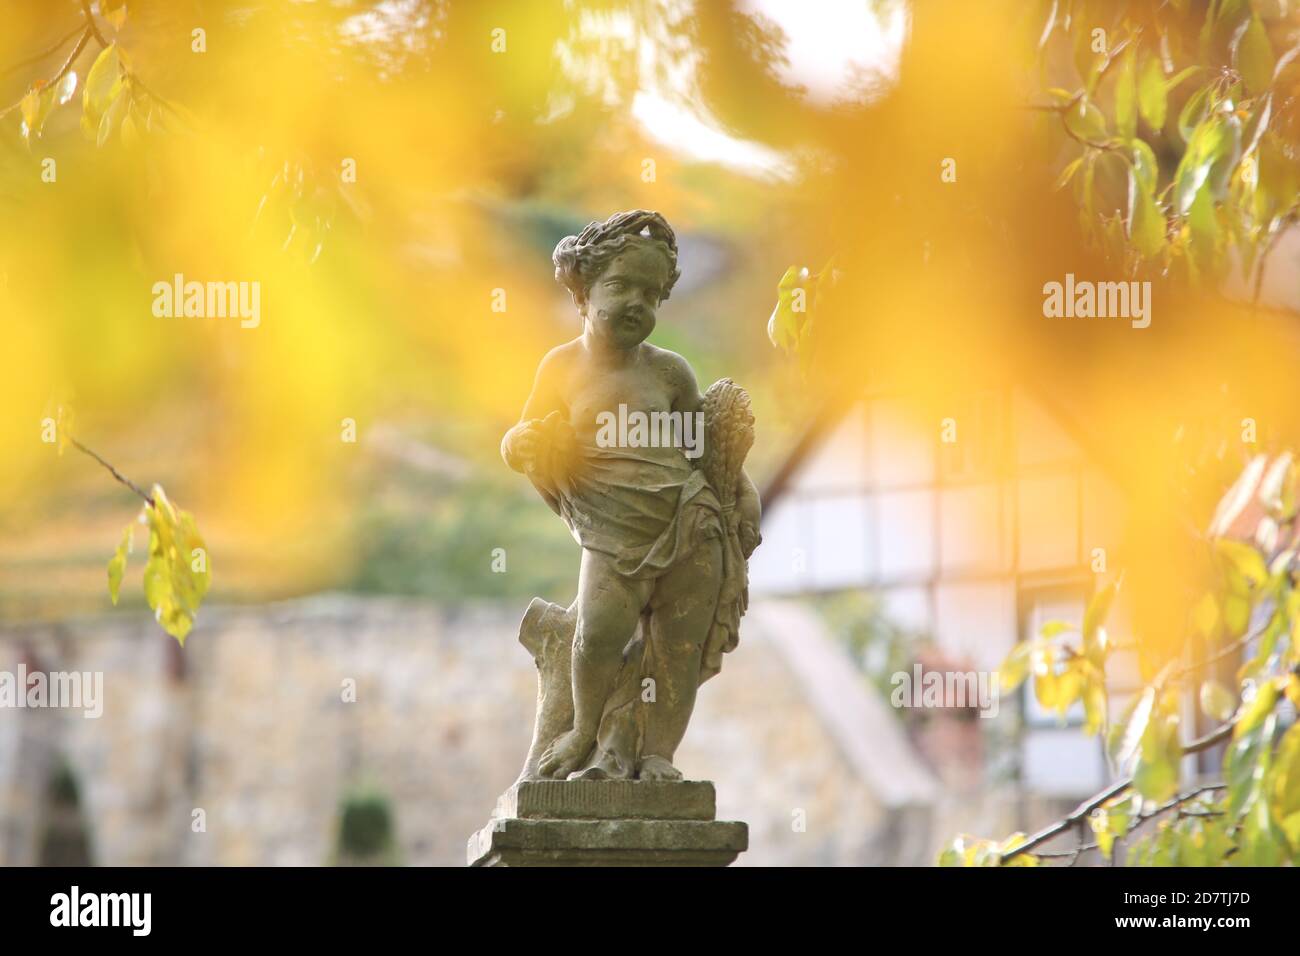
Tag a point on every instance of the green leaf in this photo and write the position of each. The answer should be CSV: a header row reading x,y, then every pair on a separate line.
x,y
1226,157
1067,173
1181,75
1241,760
1236,615
119,101
1259,707
1015,668
117,563
1279,178
1156,775
1126,735
99,83
1086,122
1099,609
174,581
1126,95
1203,226
786,325
1145,166
1217,701
1258,124
1194,169
1284,787
1205,616
1242,559
1146,224
1153,94
1053,628
1193,112
1110,822
1254,57
1094,702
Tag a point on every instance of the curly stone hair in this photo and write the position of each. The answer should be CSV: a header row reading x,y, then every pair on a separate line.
x,y
580,259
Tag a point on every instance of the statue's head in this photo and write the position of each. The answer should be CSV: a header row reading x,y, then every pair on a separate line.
x,y
618,271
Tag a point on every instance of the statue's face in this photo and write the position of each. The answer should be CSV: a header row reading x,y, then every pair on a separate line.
x,y
622,301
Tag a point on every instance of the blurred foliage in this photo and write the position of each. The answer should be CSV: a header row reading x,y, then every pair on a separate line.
x,y
879,647
447,547
379,169
1250,612
366,834
1185,119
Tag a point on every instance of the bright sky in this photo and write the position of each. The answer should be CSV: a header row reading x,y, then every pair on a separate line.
x,y
829,44
829,39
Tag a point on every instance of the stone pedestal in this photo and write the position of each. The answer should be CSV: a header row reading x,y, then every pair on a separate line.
x,y
607,823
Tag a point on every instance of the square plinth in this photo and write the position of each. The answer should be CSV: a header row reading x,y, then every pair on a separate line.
x,y
607,823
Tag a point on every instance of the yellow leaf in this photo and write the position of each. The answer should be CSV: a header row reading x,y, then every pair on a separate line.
x,y
117,563
1244,560
1094,704
99,83
1217,701
1205,616
31,108
1260,706
1285,805
1015,668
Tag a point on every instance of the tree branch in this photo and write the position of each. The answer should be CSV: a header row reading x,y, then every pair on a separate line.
x,y
114,472
80,28
90,23
76,52
1081,812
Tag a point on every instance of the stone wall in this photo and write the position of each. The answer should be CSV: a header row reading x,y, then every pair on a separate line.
x,y
255,733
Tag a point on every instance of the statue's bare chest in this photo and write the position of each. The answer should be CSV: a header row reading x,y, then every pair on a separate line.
x,y
638,389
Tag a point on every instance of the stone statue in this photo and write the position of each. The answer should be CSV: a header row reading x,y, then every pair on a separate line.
x,y
647,474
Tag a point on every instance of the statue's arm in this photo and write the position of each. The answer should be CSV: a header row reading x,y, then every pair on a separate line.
x,y
521,444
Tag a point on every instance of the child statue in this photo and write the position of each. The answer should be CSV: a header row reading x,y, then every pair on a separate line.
x,y
666,526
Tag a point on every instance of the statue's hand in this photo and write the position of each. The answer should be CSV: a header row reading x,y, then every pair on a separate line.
x,y
749,537
546,450
523,445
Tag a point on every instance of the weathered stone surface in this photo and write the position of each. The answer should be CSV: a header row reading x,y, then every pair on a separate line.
x,y
515,842
607,823
667,521
607,799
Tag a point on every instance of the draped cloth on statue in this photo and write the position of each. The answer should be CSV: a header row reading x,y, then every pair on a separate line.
x,y
646,510
643,509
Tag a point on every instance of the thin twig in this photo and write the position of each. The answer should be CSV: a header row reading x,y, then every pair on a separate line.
x,y
1092,803
90,23
76,52
45,53
115,473
1226,651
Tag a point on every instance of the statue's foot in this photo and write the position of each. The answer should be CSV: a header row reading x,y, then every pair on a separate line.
x,y
565,755
654,767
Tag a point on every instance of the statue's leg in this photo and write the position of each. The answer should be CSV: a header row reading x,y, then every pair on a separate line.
x,y
683,607
608,608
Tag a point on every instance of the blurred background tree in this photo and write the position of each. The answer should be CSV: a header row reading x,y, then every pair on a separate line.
x,y
385,169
